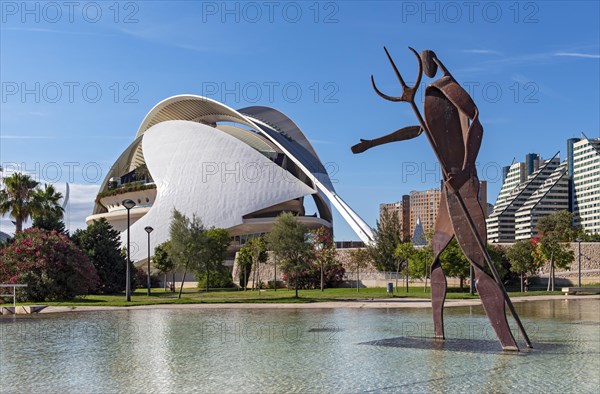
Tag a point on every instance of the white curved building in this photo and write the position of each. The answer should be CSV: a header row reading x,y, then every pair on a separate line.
x,y
233,169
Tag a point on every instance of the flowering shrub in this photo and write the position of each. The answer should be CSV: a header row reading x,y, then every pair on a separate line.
x,y
49,263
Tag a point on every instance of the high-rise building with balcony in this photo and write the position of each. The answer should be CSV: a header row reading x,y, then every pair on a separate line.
x,y
535,188
424,205
550,196
401,209
420,209
586,183
526,191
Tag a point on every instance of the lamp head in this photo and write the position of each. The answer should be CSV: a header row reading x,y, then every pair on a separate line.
x,y
128,203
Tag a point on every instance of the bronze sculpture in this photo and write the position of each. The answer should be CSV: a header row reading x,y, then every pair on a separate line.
x,y
452,126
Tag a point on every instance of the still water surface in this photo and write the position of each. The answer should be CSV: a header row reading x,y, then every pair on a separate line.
x,y
298,350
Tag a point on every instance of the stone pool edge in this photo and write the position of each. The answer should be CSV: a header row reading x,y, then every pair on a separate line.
x,y
365,304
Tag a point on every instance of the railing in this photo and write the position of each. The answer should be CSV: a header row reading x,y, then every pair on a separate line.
x,y
349,244
14,292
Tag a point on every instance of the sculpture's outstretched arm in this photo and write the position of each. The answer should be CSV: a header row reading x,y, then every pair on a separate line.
x,y
405,133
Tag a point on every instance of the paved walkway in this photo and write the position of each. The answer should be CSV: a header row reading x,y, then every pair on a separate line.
x,y
374,303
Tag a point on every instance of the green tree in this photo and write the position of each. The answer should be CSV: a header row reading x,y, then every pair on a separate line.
x,y
387,239
47,202
403,254
580,234
50,222
553,231
18,198
48,212
454,262
501,263
216,242
188,243
163,262
287,240
419,261
562,223
359,259
257,249
102,244
588,237
324,251
244,262
521,257
142,173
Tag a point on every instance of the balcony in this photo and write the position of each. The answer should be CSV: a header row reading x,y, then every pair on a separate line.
x,y
143,194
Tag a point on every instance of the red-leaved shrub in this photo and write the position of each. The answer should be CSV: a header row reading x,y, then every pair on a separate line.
x,y
50,264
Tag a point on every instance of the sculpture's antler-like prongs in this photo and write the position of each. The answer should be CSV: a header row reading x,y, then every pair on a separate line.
x,y
385,96
395,68
408,92
420,74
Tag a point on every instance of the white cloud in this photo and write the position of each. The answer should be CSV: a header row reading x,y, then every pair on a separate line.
x,y
482,51
54,31
578,54
24,137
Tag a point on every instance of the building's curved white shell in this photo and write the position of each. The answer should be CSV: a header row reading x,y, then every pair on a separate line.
x,y
204,172
186,134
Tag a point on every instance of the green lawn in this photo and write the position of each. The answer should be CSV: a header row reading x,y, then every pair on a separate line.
x,y
192,296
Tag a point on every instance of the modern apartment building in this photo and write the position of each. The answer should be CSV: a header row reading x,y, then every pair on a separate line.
x,y
402,210
550,196
526,190
535,188
420,209
586,183
424,205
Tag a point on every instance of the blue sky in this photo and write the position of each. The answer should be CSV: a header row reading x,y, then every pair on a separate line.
x,y
77,80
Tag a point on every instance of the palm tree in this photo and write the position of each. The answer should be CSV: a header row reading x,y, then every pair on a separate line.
x,y
47,212
46,202
142,173
17,198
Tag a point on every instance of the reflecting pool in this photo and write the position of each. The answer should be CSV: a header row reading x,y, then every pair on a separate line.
x,y
298,350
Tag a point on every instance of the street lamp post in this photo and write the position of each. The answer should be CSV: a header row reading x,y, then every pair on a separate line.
x,y
425,287
578,261
128,204
319,247
148,230
471,284
407,276
274,274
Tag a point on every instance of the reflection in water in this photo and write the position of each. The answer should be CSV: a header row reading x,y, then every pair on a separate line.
x,y
298,350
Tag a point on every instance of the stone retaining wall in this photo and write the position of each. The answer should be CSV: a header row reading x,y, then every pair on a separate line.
x,y
590,265
370,277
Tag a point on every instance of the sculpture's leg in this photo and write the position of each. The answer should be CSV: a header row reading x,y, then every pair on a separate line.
x,y
441,238
492,299
489,291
